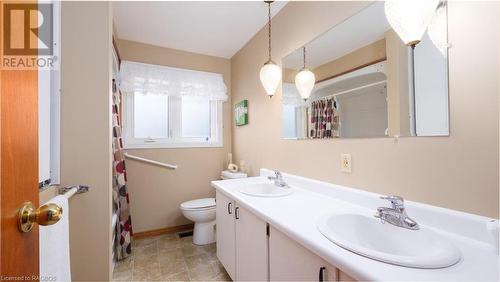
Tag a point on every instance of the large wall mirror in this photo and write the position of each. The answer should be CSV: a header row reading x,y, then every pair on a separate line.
x,y
368,82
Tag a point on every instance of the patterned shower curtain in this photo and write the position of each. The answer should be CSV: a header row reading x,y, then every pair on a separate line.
x,y
324,119
123,229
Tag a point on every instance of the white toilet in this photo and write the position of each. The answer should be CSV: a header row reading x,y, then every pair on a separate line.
x,y
202,212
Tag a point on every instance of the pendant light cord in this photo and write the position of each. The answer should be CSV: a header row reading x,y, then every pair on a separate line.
x,y
269,26
413,89
304,56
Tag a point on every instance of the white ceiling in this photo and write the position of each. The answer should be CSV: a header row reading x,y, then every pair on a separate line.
x,y
217,28
365,27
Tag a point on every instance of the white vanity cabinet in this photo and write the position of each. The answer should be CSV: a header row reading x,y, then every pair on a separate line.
x,y
289,261
251,250
251,246
241,241
226,236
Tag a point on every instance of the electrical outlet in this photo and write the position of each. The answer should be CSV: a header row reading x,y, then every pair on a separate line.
x,y
345,163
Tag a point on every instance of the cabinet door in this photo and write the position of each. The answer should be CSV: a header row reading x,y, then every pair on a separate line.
x,y
344,277
289,261
251,247
226,247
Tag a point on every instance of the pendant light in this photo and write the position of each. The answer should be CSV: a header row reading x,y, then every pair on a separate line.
x,y
437,29
305,79
410,18
270,73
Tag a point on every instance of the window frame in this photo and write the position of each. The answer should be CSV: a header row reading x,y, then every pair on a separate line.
x,y
174,125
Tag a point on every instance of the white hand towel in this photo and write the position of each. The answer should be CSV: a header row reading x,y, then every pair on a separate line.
x,y
54,246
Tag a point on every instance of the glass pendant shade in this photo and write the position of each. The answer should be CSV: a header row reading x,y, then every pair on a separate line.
x,y
410,18
270,73
437,30
270,77
304,81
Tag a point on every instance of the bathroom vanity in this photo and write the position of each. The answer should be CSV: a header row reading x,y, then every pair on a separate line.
x,y
251,249
277,237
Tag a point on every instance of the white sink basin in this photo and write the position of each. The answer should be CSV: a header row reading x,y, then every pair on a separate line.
x,y
266,190
388,243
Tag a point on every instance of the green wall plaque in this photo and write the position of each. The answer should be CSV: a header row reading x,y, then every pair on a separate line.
x,y
241,113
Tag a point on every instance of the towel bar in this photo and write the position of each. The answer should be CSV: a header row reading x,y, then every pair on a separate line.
x,y
71,190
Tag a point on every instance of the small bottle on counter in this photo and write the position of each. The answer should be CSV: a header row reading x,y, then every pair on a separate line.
x,y
242,166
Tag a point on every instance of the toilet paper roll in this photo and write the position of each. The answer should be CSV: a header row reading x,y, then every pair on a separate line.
x,y
232,168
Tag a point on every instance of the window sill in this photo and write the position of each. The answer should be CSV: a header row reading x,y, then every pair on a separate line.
x,y
173,145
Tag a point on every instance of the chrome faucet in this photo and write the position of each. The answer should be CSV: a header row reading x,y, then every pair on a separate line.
x,y
396,215
278,179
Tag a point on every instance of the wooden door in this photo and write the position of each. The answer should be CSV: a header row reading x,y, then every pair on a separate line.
x,y
251,246
18,158
226,251
19,170
289,261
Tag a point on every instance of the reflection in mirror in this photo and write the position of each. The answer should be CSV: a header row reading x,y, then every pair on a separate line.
x,y
364,78
294,113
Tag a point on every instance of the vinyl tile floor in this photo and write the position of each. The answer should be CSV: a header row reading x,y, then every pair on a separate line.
x,y
170,258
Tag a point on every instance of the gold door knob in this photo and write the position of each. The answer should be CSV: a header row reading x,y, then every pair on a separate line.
x,y
47,214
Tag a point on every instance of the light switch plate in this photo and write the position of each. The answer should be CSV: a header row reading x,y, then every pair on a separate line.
x,y
345,163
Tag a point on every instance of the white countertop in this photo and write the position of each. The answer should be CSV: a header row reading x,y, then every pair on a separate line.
x,y
296,215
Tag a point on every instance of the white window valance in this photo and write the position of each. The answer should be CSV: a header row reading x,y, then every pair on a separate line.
x,y
161,80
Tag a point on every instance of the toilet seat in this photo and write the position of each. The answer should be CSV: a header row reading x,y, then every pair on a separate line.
x,y
199,204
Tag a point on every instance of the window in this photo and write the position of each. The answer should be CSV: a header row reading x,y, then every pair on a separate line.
x,y
195,117
294,113
167,107
161,121
289,122
150,116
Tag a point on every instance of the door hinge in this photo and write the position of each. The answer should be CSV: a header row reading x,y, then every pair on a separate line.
x,y
267,229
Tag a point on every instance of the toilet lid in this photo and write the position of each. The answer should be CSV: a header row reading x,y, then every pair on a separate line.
x,y
199,203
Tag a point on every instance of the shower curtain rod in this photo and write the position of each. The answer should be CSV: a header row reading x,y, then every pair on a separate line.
x,y
351,90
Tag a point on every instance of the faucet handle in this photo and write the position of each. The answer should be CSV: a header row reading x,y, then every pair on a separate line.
x,y
277,175
397,202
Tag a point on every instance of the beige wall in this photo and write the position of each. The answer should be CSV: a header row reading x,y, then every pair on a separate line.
x,y
47,194
155,192
288,75
459,172
86,134
360,57
397,85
